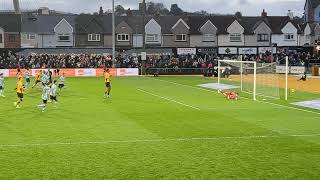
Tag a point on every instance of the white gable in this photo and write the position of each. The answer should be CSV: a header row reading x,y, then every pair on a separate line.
x,y
262,26
152,27
289,28
307,30
153,22
63,25
235,27
208,23
180,21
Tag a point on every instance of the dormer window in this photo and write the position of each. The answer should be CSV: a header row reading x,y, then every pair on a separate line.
x,y
289,37
263,37
208,37
181,37
64,37
94,37
236,37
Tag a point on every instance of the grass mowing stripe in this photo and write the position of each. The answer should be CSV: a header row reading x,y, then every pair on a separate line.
x,y
169,99
275,104
161,140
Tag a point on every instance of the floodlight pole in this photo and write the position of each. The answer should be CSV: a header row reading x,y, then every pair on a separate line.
x,y
287,72
219,75
241,72
113,37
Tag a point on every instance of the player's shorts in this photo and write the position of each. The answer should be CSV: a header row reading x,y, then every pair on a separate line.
x,y
53,98
20,95
108,84
28,80
61,86
44,101
37,81
1,88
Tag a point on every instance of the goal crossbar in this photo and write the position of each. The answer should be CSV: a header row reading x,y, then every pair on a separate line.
x,y
241,73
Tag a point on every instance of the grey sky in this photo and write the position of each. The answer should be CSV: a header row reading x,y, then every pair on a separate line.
x,y
247,7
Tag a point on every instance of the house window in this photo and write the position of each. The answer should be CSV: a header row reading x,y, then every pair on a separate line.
x,y
263,37
152,38
1,38
308,37
288,37
123,37
30,36
93,37
64,37
208,38
181,37
12,37
235,37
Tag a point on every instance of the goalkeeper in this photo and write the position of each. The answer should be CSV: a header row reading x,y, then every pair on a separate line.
x,y
230,95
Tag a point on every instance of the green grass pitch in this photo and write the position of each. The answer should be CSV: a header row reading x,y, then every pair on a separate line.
x,y
156,128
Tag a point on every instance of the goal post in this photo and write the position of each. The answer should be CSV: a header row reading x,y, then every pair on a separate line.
x,y
263,80
228,68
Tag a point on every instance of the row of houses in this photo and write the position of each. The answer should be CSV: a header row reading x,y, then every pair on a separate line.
x,y
95,31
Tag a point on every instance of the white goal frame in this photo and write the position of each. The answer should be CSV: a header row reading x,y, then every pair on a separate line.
x,y
254,74
241,74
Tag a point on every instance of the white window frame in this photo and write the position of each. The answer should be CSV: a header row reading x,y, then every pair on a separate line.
x,y
30,36
289,37
208,37
94,37
263,37
183,37
120,37
152,38
235,37
64,35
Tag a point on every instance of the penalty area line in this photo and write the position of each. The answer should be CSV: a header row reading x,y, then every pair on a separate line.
x,y
266,102
257,137
169,99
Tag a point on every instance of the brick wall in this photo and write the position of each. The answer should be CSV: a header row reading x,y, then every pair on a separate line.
x,y
12,40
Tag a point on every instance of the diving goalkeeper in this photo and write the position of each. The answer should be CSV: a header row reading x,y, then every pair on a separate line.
x,y
230,95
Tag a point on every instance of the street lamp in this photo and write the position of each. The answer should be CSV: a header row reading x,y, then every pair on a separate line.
x,y
113,37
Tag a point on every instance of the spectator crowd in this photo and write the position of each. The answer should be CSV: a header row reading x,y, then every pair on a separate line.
x,y
10,60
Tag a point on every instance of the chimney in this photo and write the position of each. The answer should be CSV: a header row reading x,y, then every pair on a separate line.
x,y
290,14
142,6
238,15
129,13
264,13
101,11
44,11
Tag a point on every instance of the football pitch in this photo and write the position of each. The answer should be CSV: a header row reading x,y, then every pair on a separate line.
x,y
156,128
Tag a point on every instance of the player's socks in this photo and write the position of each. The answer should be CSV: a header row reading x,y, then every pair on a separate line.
x,y
41,105
55,105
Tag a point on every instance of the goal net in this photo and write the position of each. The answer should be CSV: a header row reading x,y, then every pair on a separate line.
x,y
249,77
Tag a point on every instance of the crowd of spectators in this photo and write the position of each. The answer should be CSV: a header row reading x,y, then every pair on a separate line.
x,y
9,59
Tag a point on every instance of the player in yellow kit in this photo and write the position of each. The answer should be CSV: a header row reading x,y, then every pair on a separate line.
x,y
20,90
37,79
107,82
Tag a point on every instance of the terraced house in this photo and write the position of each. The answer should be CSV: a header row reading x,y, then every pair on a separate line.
x,y
229,34
55,31
10,28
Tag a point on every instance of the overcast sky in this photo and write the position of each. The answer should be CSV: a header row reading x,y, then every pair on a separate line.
x,y
247,7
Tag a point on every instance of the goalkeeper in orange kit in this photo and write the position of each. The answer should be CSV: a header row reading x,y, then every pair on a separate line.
x,y
230,95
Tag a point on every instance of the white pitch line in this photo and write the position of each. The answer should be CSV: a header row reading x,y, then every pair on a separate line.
x,y
288,107
169,99
161,140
